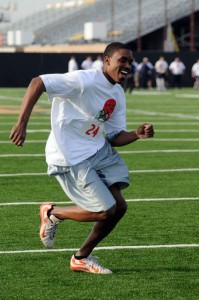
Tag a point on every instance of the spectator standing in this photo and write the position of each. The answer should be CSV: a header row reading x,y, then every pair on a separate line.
x,y
161,68
98,63
195,74
177,69
129,82
72,64
87,63
145,69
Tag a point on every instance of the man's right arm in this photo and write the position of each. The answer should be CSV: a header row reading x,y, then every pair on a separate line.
x,y
33,93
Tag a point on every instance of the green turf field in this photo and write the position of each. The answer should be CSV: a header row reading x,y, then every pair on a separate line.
x,y
154,251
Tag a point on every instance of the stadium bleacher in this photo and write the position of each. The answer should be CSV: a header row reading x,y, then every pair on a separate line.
x,y
66,24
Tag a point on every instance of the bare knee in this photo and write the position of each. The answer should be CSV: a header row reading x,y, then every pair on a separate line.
x,y
106,215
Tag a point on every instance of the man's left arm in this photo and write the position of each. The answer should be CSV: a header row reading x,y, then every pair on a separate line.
x,y
144,131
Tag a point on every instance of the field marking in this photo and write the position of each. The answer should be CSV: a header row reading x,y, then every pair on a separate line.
x,y
164,170
130,171
34,130
121,152
103,248
21,155
153,93
187,95
167,123
173,140
178,130
127,200
27,141
159,151
148,140
155,113
19,99
22,174
176,123
30,123
159,130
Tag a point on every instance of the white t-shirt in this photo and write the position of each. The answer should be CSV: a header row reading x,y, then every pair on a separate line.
x,y
161,66
195,69
97,64
177,68
84,106
72,65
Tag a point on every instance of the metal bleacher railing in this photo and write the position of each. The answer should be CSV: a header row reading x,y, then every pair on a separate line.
x,y
66,25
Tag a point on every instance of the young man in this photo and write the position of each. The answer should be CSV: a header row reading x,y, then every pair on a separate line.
x,y
84,105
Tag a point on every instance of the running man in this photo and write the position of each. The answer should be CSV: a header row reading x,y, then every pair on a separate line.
x,y
85,105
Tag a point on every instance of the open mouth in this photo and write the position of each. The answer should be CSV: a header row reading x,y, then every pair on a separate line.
x,y
124,73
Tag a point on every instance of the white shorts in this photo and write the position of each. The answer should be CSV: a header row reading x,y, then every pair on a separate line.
x,y
86,183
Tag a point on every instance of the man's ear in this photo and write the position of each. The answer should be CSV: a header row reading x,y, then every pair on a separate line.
x,y
107,60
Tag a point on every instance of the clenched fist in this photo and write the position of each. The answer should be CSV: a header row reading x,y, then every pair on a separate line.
x,y
145,131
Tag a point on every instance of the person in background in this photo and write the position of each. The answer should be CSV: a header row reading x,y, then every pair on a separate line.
x,y
177,69
98,63
161,69
129,82
87,63
88,119
195,74
72,64
145,70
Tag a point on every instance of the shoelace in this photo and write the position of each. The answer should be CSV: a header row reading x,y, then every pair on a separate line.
x,y
52,230
92,262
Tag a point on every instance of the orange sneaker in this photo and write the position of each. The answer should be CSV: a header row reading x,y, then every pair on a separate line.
x,y
89,264
48,225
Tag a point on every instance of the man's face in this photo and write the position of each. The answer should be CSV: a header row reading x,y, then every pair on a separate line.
x,y
117,67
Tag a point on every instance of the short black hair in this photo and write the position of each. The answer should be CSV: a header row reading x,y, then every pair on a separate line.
x,y
113,47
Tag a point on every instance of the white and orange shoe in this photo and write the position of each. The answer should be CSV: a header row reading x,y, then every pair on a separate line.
x,y
89,264
48,225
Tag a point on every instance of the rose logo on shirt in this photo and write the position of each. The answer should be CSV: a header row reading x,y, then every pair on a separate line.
x,y
94,126
107,110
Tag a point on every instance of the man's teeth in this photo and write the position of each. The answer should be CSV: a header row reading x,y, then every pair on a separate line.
x,y
124,72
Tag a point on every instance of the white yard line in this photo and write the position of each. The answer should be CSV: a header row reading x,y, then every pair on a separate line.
x,y
103,248
168,123
27,141
165,170
173,140
32,130
30,123
158,130
127,200
22,174
148,140
130,171
187,96
156,113
121,152
21,155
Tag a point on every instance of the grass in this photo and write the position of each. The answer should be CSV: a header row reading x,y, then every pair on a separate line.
x,y
163,169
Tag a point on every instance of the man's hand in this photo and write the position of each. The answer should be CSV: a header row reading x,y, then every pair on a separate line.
x,y
145,131
18,134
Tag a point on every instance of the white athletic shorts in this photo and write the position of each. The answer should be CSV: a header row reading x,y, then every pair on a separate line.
x,y
86,183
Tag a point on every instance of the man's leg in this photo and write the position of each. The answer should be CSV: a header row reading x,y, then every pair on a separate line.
x,y
105,221
79,214
101,229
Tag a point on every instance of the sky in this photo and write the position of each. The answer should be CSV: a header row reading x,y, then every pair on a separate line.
x,y
26,7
